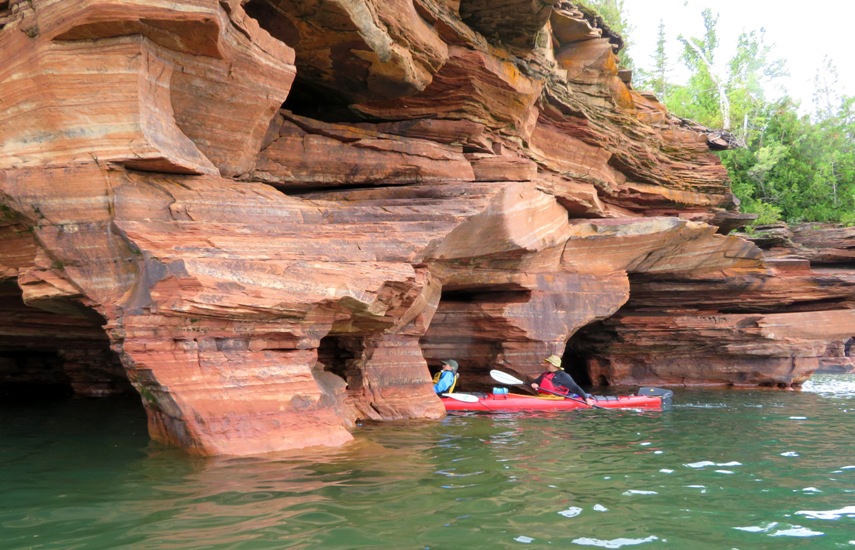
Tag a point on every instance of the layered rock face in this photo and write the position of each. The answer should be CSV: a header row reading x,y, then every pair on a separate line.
x,y
274,218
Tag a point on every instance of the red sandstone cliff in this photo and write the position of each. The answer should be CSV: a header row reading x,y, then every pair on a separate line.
x,y
272,217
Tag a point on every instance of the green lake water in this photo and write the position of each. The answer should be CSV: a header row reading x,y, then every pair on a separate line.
x,y
723,469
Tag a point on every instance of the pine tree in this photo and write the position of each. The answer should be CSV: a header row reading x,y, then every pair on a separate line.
x,y
659,80
825,85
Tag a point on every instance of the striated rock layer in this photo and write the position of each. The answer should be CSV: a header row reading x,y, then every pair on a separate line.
x,y
274,218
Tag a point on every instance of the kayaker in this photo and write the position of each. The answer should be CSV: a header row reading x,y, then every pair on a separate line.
x,y
558,381
446,379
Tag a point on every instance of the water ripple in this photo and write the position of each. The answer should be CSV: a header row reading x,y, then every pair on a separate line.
x,y
682,479
848,511
614,543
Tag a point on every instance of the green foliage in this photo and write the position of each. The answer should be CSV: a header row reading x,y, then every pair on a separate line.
x,y
791,168
805,170
825,84
700,99
658,80
750,71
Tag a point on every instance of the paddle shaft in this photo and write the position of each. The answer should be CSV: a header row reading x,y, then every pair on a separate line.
x,y
506,378
568,397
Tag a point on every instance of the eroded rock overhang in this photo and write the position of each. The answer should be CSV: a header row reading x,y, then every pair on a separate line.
x,y
272,218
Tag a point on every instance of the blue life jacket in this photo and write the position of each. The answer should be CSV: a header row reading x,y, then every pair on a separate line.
x,y
444,381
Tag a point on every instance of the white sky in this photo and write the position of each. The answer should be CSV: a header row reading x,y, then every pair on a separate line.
x,y
800,33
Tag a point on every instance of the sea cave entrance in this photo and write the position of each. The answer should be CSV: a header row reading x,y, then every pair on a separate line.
x,y
49,355
581,352
470,326
576,365
338,355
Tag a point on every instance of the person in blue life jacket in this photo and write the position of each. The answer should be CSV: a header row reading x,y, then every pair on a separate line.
x,y
558,381
446,379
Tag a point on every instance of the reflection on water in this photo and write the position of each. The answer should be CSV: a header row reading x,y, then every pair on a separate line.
x,y
724,469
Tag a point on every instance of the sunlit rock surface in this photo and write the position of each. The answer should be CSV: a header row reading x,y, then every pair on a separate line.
x,y
272,219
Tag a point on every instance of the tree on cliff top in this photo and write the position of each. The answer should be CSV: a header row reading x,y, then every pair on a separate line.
x,y
704,98
790,167
732,96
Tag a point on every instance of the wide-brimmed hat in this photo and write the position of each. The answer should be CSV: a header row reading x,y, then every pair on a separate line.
x,y
554,360
451,363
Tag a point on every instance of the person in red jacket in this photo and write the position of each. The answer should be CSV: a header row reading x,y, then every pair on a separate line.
x,y
557,381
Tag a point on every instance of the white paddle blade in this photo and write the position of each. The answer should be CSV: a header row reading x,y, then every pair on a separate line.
x,y
505,378
462,397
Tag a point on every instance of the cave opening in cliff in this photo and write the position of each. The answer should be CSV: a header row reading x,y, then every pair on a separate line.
x,y
485,295
317,103
49,354
338,353
576,365
311,95
579,353
32,375
468,327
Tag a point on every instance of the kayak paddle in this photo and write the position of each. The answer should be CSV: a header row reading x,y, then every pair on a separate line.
x,y
506,378
465,397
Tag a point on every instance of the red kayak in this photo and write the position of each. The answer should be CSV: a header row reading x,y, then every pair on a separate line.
x,y
648,399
